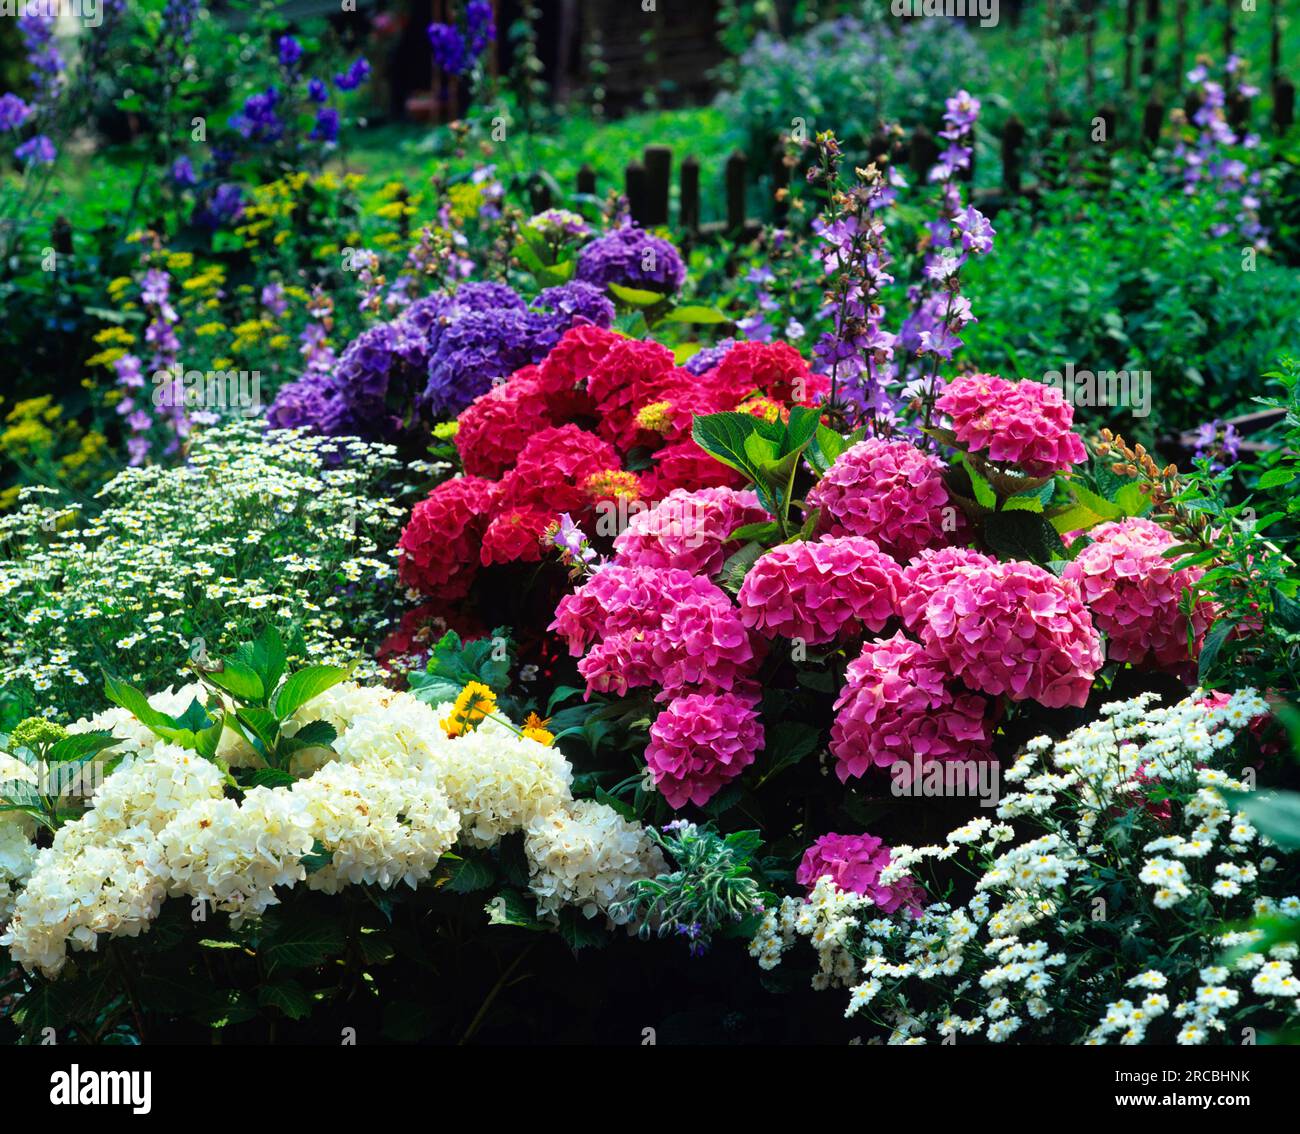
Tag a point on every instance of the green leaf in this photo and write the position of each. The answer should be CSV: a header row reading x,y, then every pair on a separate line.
x,y
695,313
1132,499
1075,518
1022,535
580,933
470,874
1106,509
306,684
287,997
80,746
265,656
510,907
262,723
270,778
1211,647
788,742
723,437
763,530
1277,477
316,734
319,857
985,496
824,448
1275,813
300,939
239,680
635,296
737,566
1286,609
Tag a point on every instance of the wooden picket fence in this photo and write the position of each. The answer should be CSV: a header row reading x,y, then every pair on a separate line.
x,y
647,180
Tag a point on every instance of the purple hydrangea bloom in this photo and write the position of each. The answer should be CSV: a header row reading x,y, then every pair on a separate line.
x,y
632,257
488,297
702,361
473,351
577,300
317,91
300,405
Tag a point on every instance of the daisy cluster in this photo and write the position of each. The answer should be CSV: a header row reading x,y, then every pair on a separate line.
x,y
561,437
257,524
1006,962
393,796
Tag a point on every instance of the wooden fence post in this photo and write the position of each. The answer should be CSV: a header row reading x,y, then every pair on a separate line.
x,y
659,169
735,184
1153,117
1130,38
688,215
1283,105
636,186
539,194
922,153
1149,37
587,181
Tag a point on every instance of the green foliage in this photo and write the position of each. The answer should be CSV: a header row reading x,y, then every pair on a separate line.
x,y
453,664
1131,279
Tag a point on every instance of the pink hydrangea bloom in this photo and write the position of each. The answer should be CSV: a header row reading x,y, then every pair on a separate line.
x,y
702,643
888,491
688,530
854,863
899,701
1133,592
620,662
621,597
1025,424
927,572
816,590
1014,628
699,743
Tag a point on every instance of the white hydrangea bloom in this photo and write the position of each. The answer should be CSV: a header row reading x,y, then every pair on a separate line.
x,y
587,855
380,825
232,854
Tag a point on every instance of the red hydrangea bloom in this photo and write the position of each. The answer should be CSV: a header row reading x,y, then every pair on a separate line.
x,y
495,426
620,598
563,373
686,465
775,369
514,536
888,491
689,530
1014,628
632,374
898,701
440,544
817,590
1133,592
1025,424
552,466
927,572
701,742
854,863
